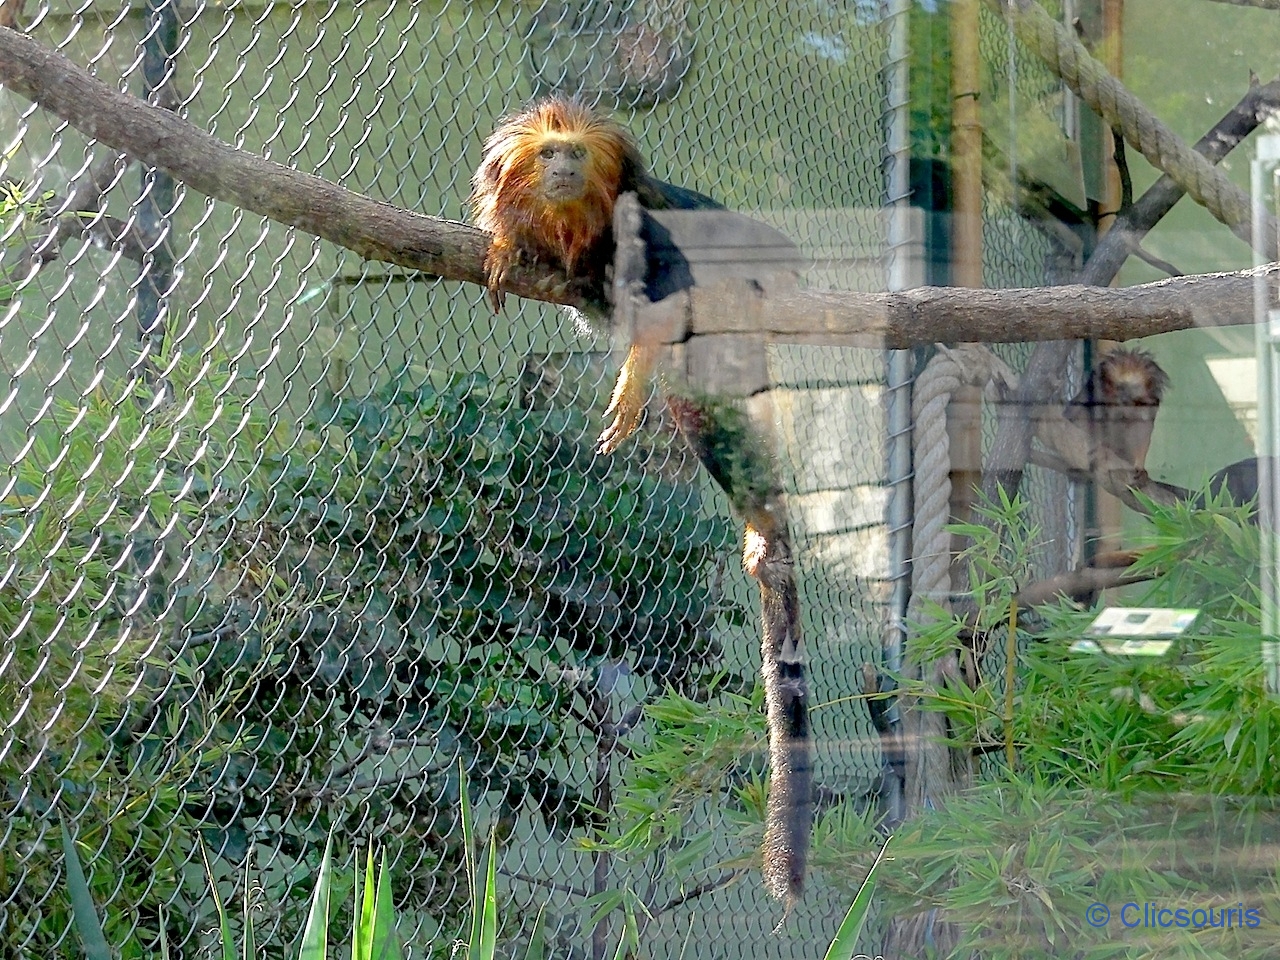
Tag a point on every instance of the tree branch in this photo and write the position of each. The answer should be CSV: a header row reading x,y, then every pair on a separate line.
x,y
1067,57
1074,583
925,315
159,138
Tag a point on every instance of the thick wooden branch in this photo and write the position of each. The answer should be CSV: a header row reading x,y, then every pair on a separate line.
x,y
927,315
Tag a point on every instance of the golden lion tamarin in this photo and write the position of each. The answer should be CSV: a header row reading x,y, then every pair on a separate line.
x,y
546,188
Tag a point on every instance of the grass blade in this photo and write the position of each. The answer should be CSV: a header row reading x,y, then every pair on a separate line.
x,y
224,925
82,908
846,938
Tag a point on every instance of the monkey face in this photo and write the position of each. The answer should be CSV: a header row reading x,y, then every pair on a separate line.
x,y
562,171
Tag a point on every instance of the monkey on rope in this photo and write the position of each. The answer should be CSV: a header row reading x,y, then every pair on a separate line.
x,y
546,188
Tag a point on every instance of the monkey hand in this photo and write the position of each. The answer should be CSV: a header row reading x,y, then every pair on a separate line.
x,y
627,403
497,264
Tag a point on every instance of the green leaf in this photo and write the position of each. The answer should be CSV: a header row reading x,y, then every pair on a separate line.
x,y
362,926
249,944
536,946
846,938
384,942
315,936
469,859
488,913
82,908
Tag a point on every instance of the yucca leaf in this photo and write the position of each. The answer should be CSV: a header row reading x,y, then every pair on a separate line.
x,y
488,926
385,942
250,943
82,908
362,926
315,936
469,864
164,938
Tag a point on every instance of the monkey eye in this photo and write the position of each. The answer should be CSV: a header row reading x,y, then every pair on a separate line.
x,y
547,153
578,153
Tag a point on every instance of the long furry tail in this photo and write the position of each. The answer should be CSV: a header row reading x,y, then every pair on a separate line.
x,y
730,448
789,813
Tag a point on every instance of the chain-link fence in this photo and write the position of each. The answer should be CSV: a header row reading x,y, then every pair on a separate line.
x,y
287,535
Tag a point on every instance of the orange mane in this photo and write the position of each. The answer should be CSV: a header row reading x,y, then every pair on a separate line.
x,y
507,199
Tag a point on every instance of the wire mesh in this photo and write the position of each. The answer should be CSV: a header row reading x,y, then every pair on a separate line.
x,y
287,535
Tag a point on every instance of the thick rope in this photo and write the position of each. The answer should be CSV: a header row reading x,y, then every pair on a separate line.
x,y
931,544
970,364
931,770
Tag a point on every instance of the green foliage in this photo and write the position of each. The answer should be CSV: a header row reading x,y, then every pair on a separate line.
x,y
691,810
1133,779
930,91
1015,864
430,573
731,450
1121,761
436,573
845,941
1198,720
373,935
89,505
694,750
